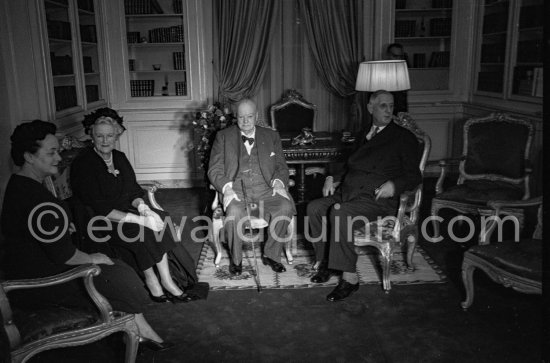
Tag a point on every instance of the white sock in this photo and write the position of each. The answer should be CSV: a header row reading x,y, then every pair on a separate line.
x,y
350,277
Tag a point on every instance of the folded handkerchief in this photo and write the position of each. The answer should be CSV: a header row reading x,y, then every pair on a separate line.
x,y
272,154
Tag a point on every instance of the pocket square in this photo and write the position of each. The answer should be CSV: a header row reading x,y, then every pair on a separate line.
x,y
272,154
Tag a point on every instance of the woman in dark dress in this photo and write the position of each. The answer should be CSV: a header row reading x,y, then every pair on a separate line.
x,y
38,243
103,179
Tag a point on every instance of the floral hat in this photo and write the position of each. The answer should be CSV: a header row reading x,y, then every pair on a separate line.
x,y
91,118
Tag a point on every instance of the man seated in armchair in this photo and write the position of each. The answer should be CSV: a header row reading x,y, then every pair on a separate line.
x,y
251,157
383,165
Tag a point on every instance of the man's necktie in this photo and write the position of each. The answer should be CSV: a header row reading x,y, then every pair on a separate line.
x,y
373,133
249,139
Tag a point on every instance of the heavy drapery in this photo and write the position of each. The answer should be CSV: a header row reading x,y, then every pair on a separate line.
x,y
244,29
333,31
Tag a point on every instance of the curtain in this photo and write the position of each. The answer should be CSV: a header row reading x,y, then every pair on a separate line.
x,y
244,30
332,28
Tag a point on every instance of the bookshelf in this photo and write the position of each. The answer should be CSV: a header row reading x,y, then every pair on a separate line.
x,y
424,28
510,52
156,40
74,55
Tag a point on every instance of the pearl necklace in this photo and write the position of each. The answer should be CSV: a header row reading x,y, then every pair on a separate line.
x,y
109,162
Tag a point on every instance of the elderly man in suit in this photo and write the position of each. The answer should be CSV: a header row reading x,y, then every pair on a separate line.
x,y
384,164
252,156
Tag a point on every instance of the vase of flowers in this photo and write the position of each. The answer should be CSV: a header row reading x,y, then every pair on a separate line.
x,y
206,124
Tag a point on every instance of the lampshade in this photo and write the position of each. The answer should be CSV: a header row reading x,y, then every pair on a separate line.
x,y
388,75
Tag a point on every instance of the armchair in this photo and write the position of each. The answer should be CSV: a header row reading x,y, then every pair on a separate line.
x,y
30,333
494,166
214,233
512,263
400,232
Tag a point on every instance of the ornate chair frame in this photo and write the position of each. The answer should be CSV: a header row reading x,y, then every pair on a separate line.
x,y
475,208
500,275
109,321
402,230
214,232
291,97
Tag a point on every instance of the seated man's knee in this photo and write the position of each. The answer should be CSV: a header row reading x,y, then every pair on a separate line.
x,y
285,208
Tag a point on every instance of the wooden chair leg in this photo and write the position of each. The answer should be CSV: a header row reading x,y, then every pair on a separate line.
x,y
435,223
217,226
385,261
467,279
132,344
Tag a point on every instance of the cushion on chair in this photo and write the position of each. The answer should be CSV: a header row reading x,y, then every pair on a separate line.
x,y
386,229
38,324
481,191
520,258
496,148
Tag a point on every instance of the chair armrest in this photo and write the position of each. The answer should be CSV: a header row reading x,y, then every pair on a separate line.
x,y
87,272
404,206
151,189
444,165
498,206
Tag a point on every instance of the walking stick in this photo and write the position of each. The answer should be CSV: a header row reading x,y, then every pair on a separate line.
x,y
257,279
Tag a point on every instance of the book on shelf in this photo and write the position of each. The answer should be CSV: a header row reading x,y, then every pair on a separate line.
x,y
92,93
419,60
171,34
177,6
138,7
179,61
405,28
65,97
181,88
440,59
142,88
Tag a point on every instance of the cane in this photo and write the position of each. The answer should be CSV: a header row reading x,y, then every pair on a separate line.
x,y
258,225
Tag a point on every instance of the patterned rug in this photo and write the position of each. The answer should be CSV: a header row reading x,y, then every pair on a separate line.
x,y
299,273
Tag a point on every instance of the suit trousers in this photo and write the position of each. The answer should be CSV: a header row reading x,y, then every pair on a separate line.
x,y
272,208
333,241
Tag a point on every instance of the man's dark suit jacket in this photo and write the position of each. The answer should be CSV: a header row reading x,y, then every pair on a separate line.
x,y
226,151
393,154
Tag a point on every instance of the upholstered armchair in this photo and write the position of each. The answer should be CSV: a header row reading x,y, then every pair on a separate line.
x,y
216,230
494,166
397,233
32,332
512,263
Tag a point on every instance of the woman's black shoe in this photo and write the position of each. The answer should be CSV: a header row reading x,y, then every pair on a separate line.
x,y
183,298
159,299
155,346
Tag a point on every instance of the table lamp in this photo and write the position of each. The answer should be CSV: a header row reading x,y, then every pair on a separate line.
x,y
388,75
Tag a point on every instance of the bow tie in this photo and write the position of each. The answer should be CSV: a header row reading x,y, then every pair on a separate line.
x,y
249,139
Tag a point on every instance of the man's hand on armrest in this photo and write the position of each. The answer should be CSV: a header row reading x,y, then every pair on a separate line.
x,y
330,186
386,190
229,195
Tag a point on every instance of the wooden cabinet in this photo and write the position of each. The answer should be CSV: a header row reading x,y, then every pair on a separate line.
x,y
424,28
509,57
75,56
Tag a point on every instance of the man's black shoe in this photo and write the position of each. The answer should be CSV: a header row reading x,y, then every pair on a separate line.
x,y
322,275
342,291
275,266
235,269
